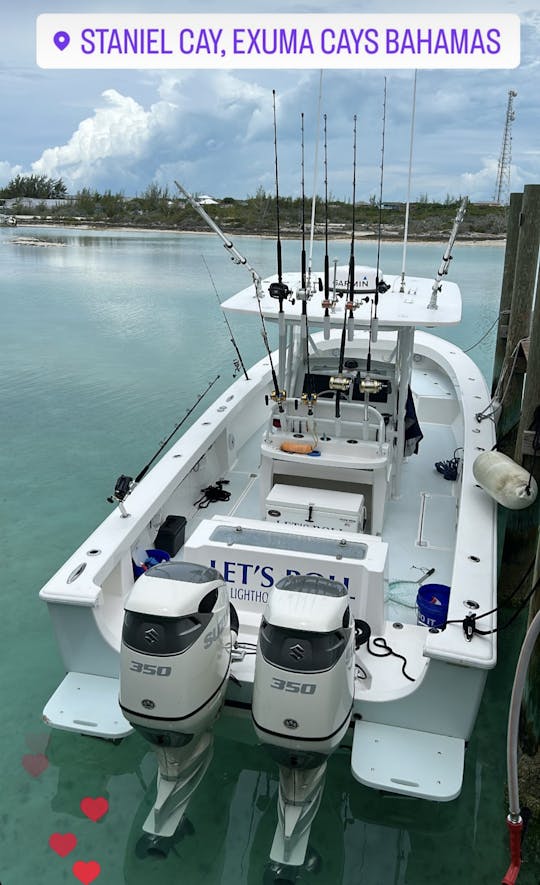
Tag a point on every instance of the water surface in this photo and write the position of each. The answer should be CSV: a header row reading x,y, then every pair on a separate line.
x,y
105,341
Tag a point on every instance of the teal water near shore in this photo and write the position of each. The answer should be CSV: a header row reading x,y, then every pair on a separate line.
x,y
106,339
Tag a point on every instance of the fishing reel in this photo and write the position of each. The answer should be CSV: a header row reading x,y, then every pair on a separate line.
x,y
370,385
278,396
309,400
122,488
341,383
279,291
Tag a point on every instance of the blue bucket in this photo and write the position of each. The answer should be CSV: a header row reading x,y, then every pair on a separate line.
x,y
152,558
432,605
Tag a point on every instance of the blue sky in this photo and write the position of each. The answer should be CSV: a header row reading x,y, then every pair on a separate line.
x,y
123,129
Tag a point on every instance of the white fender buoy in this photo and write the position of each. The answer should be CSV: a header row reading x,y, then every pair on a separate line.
x,y
506,482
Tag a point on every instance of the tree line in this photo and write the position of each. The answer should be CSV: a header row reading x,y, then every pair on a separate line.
x,y
157,207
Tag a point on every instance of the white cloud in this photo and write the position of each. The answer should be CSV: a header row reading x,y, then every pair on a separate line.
x,y
7,172
121,129
195,116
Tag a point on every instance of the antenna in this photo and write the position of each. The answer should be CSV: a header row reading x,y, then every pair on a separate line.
x,y
503,171
407,207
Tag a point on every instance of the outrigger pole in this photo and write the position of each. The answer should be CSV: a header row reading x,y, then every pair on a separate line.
x,y
447,257
238,258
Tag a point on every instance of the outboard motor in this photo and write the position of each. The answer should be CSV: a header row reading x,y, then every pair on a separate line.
x,y
302,697
174,667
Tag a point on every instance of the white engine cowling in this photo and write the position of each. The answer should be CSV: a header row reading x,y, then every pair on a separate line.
x,y
175,652
304,673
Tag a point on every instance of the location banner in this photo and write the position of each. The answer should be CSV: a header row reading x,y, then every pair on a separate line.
x,y
352,40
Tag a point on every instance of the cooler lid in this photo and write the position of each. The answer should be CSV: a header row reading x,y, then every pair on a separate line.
x,y
284,496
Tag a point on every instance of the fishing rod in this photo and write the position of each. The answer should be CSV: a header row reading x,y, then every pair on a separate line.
x,y
326,300
308,396
447,257
239,362
374,321
350,303
279,290
125,484
315,171
278,395
303,257
342,383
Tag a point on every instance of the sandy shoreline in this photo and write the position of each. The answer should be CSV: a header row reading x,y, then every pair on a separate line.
x,y
469,240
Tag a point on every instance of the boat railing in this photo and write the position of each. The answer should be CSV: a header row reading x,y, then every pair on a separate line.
x,y
356,419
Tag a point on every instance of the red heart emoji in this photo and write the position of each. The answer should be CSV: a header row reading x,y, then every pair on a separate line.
x,y
35,764
94,808
86,872
62,843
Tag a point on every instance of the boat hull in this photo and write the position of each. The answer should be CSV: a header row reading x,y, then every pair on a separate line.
x,y
437,691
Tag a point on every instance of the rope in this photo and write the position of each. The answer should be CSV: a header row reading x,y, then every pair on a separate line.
x,y
469,622
211,494
498,396
380,642
494,323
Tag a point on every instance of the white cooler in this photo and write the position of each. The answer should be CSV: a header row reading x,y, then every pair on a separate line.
x,y
320,508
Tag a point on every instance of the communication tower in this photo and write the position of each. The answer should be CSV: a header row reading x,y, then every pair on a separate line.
x,y
502,186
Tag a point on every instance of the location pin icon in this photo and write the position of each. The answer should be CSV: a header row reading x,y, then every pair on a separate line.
x,y
61,40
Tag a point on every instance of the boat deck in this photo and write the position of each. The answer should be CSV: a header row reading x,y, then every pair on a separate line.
x,y
419,525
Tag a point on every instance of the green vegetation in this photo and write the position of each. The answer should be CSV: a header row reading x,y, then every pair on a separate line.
x,y
157,208
34,186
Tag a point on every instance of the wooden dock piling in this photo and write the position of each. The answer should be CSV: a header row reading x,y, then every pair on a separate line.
x,y
526,262
521,403
521,526
507,287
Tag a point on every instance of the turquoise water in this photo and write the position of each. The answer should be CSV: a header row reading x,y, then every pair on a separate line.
x,y
105,341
